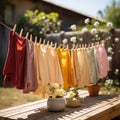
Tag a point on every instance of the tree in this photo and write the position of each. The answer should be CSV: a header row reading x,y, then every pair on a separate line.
x,y
112,13
39,23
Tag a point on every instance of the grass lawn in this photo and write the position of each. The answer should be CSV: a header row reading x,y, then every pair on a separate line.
x,y
12,97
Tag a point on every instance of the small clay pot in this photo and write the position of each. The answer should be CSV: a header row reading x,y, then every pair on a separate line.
x,y
93,90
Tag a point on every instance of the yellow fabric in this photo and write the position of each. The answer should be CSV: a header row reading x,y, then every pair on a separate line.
x,y
65,63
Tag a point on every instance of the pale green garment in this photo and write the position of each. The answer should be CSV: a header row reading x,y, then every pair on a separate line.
x,y
93,67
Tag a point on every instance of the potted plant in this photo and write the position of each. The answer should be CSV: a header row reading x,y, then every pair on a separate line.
x,y
73,99
56,100
94,89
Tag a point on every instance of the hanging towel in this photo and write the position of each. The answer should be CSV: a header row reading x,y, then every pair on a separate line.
x,y
64,58
54,66
101,57
31,83
14,68
92,64
84,76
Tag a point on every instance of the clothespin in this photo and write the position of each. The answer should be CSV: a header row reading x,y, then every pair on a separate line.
x,y
73,46
35,39
89,45
21,31
14,28
82,45
60,46
55,45
31,38
44,42
67,46
40,40
27,34
48,43
51,44
76,46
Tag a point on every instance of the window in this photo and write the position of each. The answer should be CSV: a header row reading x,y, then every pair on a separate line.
x,y
9,14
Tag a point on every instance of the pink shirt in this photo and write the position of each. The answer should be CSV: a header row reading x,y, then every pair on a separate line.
x,y
101,57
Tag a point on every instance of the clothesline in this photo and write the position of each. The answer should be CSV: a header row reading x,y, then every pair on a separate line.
x,y
51,44
31,66
5,25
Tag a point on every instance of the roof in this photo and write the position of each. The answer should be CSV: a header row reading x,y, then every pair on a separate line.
x,y
68,8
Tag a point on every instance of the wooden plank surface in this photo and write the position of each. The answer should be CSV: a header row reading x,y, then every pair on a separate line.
x,y
103,107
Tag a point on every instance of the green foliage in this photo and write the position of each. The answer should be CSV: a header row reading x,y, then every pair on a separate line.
x,y
39,23
112,13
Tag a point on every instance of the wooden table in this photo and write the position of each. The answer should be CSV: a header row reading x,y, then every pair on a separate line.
x,y
103,107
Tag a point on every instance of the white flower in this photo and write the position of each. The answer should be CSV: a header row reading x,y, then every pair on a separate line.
x,y
116,71
96,24
84,30
73,27
65,41
71,94
87,20
93,31
73,39
109,58
110,81
109,37
117,39
109,24
109,49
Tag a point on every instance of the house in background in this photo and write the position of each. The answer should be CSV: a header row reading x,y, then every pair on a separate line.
x,y
16,8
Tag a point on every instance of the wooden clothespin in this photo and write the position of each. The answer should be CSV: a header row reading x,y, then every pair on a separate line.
x,y
67,46
35,39
48,43
44,42
73,46
31,38
40,40
21,31
14,28
76,46
60,46
51,44
82,45
55,45
27,34
89,45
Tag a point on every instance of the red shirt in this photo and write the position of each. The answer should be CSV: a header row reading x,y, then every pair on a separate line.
x,y
14,67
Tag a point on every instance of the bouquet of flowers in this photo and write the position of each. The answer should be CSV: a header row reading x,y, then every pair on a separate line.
x,y
55,90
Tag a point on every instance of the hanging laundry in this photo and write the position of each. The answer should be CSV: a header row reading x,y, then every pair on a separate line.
x,y
30,78
54,66
43,70
64,58
101,57
14,67
84,76
92,64
73,72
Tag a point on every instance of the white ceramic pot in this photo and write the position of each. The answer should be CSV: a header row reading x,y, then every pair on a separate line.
x,y
57,104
